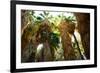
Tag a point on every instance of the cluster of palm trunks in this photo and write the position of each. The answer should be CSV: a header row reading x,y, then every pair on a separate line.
x,y
38,45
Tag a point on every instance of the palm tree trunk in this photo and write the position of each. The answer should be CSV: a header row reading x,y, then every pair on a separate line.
x,y
83,20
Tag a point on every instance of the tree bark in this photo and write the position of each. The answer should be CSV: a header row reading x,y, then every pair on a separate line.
x,y
65,29
83,20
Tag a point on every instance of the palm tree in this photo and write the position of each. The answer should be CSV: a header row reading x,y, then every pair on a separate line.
x,y
83,20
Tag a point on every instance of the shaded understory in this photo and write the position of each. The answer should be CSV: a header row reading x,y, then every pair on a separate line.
x,y
54,36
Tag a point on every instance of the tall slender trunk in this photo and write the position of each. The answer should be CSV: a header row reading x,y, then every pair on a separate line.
x,y
81,55
83,20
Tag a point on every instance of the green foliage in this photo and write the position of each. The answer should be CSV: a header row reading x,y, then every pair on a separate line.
x,y
35,19
70,18
54,40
